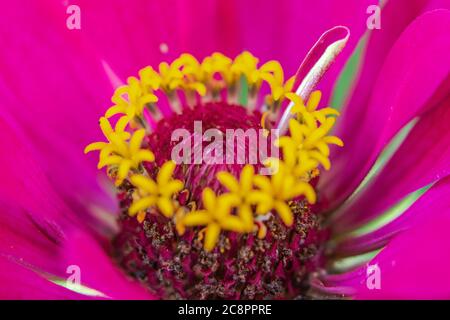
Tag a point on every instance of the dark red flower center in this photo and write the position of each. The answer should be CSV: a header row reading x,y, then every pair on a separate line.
x,y
241,266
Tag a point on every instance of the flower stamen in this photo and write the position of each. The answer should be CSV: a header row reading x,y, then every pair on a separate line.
x,y
127,154
157,193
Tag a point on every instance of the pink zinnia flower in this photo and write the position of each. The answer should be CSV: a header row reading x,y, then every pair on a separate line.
x,y
366,220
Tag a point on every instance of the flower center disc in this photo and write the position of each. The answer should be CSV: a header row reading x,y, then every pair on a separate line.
x,y
210,117
241,266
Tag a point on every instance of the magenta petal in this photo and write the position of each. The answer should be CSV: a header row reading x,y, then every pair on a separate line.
x,y
56,95
33,216
18,282
423,158
61,85
429,206
130,35
414,70
286,30
35,221
98,270
415,264
29,239
26,184
315,65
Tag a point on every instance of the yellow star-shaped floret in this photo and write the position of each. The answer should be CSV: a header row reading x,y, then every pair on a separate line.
x,y
109,132
241,193
215,216
279,90
130,100
120,153
246,64
171,77
192,79
157,193
217,63
309,141
150,79
273,74
296,158
278,189
309,113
